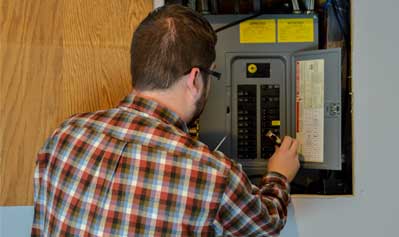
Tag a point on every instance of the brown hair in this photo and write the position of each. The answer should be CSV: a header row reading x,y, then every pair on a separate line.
x,y
169,42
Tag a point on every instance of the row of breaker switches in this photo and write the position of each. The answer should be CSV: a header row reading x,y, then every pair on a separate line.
x,y
246,121
270,117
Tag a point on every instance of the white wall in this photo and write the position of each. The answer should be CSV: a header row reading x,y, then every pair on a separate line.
x,y
373,210
158,3
15,221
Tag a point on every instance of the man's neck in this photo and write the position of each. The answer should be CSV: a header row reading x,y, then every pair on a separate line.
x,y
169,98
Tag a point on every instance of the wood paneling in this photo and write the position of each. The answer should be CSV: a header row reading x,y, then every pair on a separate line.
x,y
57,58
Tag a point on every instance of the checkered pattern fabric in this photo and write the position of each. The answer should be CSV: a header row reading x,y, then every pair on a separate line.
x,y
134,171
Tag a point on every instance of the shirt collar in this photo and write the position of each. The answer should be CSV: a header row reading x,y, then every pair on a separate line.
x,y
152,108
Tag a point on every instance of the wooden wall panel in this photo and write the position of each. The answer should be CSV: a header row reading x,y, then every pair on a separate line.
x,y
57,58
28,114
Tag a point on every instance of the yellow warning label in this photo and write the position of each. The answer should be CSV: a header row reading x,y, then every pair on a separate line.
x,y
258,31
252,68
275,122
295,30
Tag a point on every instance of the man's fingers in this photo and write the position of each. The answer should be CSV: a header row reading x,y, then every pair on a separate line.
x,y
286,144
294,146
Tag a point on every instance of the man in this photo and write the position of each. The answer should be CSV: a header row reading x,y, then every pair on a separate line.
x,y
134,170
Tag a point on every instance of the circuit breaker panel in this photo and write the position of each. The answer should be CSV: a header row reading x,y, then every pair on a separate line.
x,y
258,103
262,89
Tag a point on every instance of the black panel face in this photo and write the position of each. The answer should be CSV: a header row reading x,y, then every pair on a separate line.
x,y
246,121
258,70
270,116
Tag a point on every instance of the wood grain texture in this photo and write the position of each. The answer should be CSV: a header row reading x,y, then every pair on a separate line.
x,y
57,58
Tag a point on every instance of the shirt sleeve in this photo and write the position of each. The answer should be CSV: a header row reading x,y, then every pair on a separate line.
x,y
42,161
246,210
38,217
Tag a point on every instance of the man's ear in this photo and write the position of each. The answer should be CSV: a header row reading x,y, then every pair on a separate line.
x,y
193,83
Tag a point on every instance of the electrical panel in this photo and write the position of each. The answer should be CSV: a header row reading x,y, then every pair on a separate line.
x,y
270,75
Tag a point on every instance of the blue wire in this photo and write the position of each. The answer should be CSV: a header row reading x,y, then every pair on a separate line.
x,y
327,4
337,15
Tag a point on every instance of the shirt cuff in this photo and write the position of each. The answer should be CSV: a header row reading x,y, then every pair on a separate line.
x,y
274,174
277,182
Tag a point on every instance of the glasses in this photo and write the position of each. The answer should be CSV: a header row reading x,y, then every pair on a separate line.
x,y
215,74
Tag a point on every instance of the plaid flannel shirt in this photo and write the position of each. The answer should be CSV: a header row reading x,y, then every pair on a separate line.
x,y
135,171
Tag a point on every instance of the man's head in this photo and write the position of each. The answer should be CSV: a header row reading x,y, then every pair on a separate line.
x,y
168,43
172,49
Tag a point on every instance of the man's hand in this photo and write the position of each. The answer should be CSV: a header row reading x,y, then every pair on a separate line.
x,y
285,159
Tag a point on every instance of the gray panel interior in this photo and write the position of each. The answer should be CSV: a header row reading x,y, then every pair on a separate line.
x,y
237,65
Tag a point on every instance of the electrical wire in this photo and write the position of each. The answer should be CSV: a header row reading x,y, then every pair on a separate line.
x,y
238,21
